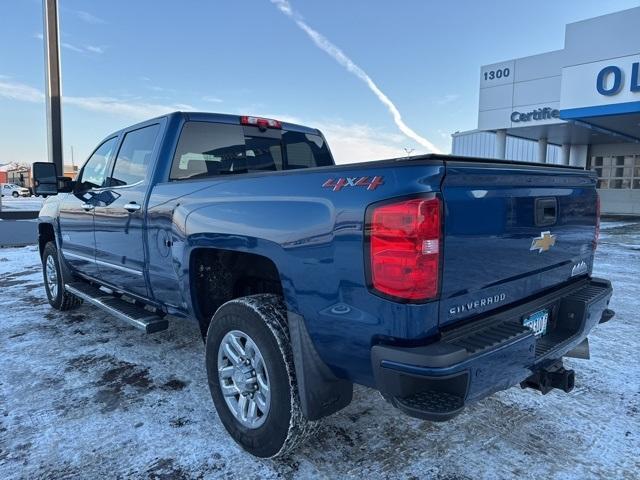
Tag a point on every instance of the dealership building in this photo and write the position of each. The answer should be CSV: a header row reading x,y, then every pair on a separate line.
x,y
576,106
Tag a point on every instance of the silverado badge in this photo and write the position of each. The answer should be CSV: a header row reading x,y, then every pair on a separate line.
x,y
543,243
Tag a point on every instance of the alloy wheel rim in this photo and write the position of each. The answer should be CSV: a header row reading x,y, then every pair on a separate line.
x,y
244,379
52,276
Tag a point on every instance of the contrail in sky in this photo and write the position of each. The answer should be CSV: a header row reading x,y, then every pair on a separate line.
x,y
339,56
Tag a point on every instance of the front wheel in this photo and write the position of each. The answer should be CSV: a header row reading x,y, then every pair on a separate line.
x,y
54,275
15,194
252,376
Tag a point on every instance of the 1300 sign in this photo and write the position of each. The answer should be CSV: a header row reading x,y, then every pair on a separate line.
x,y
499,73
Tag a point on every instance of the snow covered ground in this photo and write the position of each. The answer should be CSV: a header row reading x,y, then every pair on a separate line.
x,y
83,395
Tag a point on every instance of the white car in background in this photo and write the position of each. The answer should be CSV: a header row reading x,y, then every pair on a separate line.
x,y
11,189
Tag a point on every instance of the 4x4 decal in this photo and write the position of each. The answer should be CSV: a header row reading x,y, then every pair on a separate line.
x,y
337,184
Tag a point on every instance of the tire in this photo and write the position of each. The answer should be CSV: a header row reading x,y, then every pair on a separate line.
x,y
262,319
15,194
54,279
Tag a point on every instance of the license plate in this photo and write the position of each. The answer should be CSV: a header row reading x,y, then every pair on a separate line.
x,y
537,322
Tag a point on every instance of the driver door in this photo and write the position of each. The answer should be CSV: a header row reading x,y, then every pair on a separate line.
x,y
77,238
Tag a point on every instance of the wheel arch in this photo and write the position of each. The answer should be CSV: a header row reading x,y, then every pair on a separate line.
x,y
321,392
218,275
46,234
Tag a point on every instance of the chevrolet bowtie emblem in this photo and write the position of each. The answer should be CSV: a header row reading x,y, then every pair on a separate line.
x,y
543,243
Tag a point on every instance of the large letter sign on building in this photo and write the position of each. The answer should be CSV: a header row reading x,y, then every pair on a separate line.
x,y
601,88
635,80
603,77
615,72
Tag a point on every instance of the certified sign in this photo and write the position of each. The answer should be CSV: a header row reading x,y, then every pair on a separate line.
x,y
545,113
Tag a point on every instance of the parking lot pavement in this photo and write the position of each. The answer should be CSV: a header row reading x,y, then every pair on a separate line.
x,y
18,224
31,204
83,395
15,233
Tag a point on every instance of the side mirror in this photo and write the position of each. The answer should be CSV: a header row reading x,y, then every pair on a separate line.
x,y
45,178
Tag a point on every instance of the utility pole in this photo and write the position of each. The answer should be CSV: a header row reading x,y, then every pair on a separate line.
x,y
53,92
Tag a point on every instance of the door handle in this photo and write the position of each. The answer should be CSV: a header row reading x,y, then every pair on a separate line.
x,y
131,207
87,207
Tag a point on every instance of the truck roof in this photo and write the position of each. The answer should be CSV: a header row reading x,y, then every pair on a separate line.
x,y
221,118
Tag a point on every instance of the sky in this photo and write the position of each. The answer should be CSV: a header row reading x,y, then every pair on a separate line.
x,y
376,77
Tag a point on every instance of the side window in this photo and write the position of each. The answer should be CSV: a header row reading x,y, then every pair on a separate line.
x,y
132,162
94,171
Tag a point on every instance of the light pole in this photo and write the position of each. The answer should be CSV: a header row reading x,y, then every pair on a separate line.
x,y
53,92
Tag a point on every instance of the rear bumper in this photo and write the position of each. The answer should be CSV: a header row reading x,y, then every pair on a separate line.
x,y
435,381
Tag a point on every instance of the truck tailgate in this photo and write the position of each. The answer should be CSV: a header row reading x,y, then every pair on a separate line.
x,y
511,231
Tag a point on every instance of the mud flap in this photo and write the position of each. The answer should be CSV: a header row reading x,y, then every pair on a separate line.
x,y
321,392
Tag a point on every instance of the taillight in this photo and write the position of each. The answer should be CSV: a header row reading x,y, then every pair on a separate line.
x,y
404,241
260,122
597,234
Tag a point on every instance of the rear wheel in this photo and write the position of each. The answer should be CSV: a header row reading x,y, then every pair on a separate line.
x,y
54,279
252,376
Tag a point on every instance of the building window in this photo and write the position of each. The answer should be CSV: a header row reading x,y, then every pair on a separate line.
x,y
619,171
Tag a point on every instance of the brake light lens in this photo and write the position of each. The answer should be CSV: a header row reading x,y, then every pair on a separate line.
x,y
405,239
260,122
597,234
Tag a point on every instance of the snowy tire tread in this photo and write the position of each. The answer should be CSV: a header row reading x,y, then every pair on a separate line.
x,y
263,318
272,310
67,301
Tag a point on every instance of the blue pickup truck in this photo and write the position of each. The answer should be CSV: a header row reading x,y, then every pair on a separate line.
x,y
436,280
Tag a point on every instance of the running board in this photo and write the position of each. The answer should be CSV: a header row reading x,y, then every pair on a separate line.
x,y
131,313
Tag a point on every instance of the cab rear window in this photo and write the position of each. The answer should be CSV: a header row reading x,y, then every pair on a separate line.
x,y
208,149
